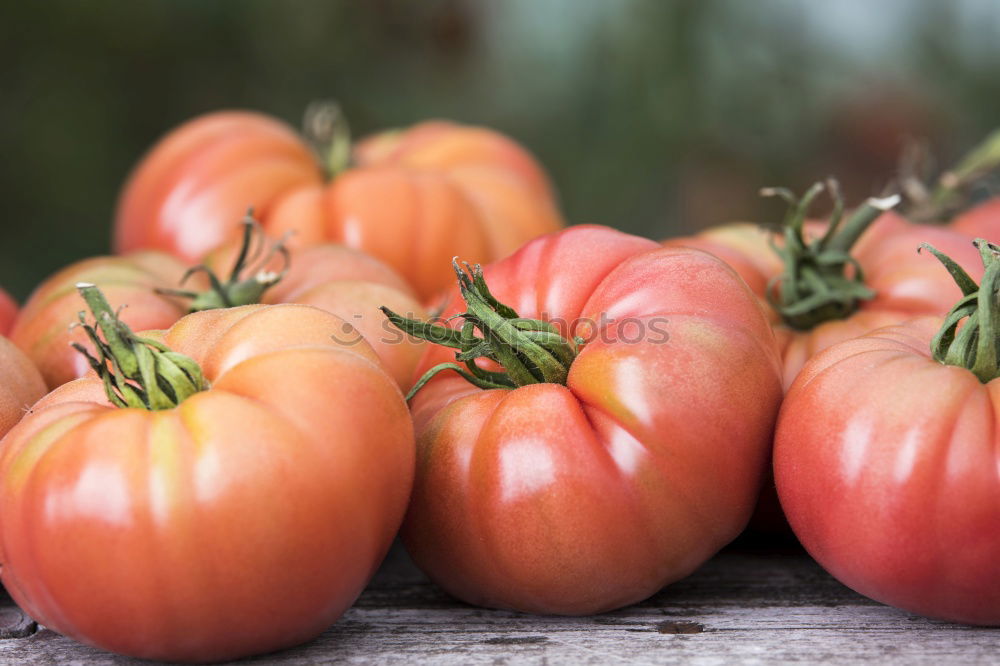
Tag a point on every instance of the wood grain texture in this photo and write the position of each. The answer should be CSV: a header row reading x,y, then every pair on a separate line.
x,y
742,607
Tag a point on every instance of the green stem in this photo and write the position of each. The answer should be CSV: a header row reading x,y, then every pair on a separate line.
x,y
974,345
136,372
856,225
821,281
326,130
249,278
530,351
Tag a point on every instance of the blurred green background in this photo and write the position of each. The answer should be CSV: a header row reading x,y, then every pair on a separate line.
x,y
656,116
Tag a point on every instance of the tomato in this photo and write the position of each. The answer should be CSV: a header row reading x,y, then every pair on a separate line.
x,y
602,469
886,459
901,282
351,285
340,280
8,311
22,385
43,327
980,221
415,199
441,144
234,520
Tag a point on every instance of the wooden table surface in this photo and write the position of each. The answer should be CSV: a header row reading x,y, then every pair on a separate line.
x,y
747,605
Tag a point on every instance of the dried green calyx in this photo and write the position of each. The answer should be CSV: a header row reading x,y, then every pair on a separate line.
x,y
975,345
529,351
820,280
249,277
137,372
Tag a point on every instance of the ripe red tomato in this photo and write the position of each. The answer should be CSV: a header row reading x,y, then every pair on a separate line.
x,y
902,282
351,285
43,327
605,479
244,519
8,311
415,199
345,282
886,459
980,221
22,385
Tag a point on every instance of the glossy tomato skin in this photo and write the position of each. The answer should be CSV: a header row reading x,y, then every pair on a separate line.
x,y
582,498
43,326
8,312
906,283
21,386
351,285
243,521
886,466
416,221
188,193
417,197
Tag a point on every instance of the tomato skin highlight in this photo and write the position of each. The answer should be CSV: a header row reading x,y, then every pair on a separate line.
x,y
415,198
243,521
205,173
582,498
908,448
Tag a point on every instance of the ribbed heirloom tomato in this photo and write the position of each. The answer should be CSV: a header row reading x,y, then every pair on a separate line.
x,y
43,330
887,453
589,472
825,283
236,501
414,198
335,278
345,282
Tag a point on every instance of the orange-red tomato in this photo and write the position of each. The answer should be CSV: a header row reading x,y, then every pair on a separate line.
x,y
8,311
588,496
43,327
886,465
416,198
244,520
351,285
20,387
980,221
906,283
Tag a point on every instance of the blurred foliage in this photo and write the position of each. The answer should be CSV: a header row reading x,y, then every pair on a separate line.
x,y
659,117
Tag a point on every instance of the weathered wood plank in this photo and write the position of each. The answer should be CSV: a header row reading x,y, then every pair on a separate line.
x,y
742,607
